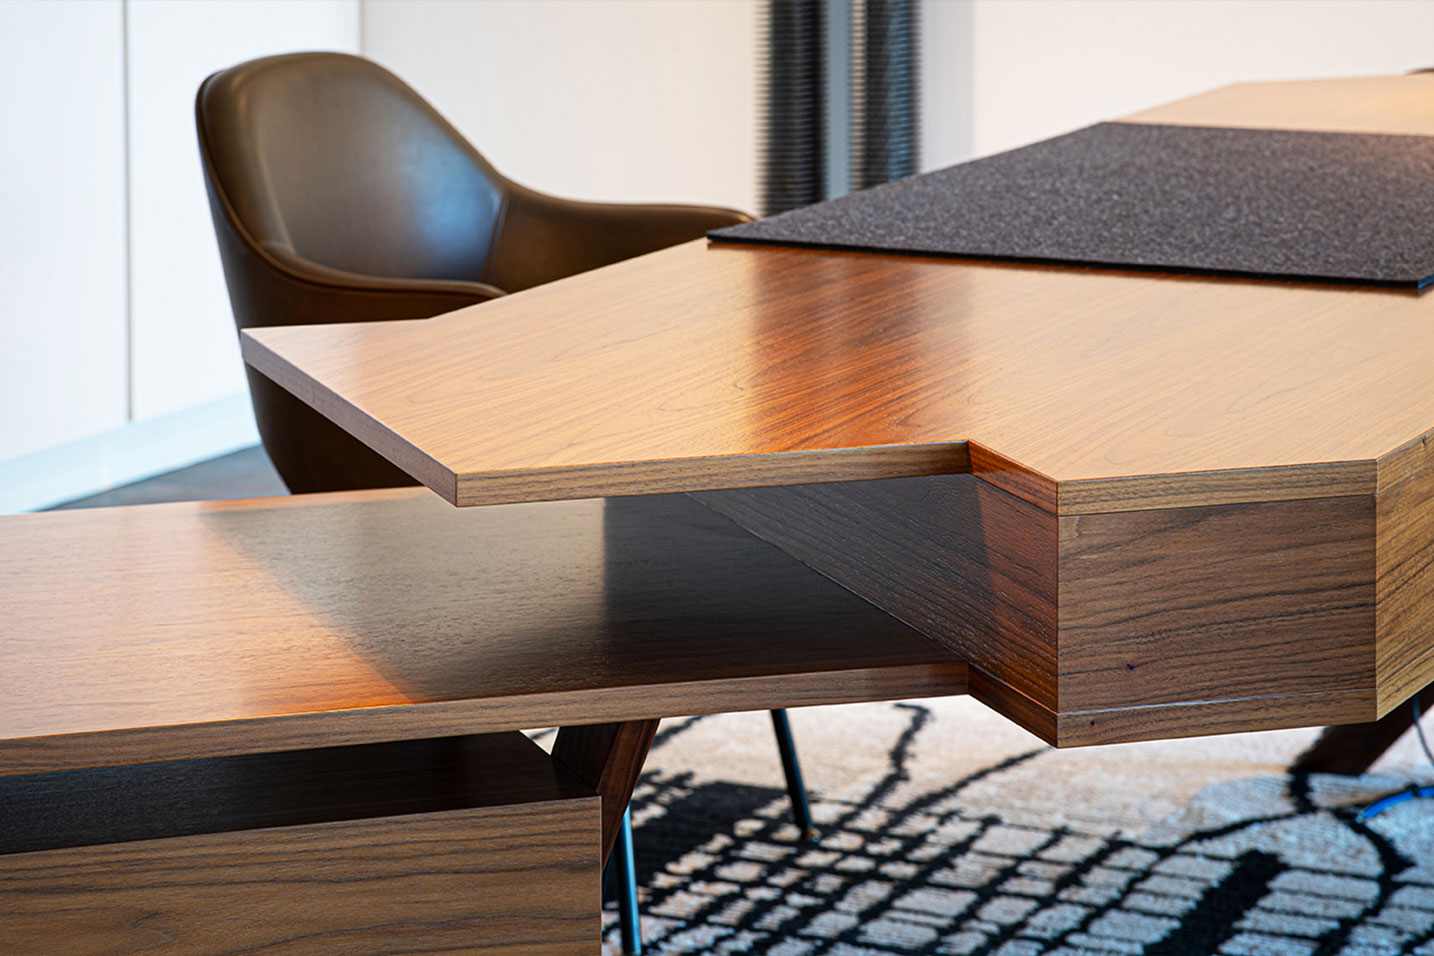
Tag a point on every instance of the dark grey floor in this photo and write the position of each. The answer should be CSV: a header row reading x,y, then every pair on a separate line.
x,y
243,474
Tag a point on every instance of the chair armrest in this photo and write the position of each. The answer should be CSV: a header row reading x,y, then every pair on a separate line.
x,y
544,238
304,270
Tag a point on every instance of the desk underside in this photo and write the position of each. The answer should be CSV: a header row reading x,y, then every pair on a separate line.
x,y
200,629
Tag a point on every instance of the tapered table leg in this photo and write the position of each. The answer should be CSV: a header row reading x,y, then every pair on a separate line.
x,y
792,771
1353,748
608,758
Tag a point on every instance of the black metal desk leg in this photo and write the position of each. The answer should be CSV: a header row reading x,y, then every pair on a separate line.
x,y
796,788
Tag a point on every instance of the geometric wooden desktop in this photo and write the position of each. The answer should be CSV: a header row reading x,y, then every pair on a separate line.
x,y
1112,506
1138,505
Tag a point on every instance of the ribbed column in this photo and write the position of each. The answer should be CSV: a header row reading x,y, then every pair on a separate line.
x,y
793,138
886,108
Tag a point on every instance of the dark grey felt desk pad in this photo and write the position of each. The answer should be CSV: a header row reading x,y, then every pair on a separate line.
x,y
1338,207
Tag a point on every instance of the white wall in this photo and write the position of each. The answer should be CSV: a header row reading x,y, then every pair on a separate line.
x,y
62,223
623,100
118,356
1043,67
185,351
947,103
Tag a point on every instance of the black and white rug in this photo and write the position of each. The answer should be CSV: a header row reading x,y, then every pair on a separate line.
x,y
946,830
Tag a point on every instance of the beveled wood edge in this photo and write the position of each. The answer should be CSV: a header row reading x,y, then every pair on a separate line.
x,y
717,473
1334,479
1403,462
1396,689
400,452
608,758
1340,479
1015,706
483,715
1193,489
1168,721
1203,718
1014,478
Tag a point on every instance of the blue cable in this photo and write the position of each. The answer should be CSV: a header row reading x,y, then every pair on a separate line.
x,y
1414,793
1384,803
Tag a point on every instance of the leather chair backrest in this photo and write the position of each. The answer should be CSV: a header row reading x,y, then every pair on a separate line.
x,y
335,159
339,195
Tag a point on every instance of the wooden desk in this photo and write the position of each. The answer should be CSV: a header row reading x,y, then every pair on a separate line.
x,y
1138,505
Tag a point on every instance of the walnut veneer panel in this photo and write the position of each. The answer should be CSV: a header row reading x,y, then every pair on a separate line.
x,y
167,631
1082,391
457,877
1108,627
700,368
463,882
1221,602
1405,568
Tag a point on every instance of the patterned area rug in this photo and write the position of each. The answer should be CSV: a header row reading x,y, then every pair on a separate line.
x,y
947,830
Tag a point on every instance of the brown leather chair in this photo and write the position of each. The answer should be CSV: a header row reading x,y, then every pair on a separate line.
x,y
340,195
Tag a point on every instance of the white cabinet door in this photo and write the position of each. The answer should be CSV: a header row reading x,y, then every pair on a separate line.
x,y
185,350
62,225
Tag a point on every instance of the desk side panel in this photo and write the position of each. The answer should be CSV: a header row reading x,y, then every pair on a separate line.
x,y
1405,572
1111,627
968,564
438,882
1220,603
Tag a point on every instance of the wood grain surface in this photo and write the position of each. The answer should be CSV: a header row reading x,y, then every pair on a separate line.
x,y
1081,390
607,757
1218,603
168,631
459,882
451,870
1103,628
1405,572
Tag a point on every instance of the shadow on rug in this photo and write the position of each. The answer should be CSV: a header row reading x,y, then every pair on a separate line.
x,y
1003,845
